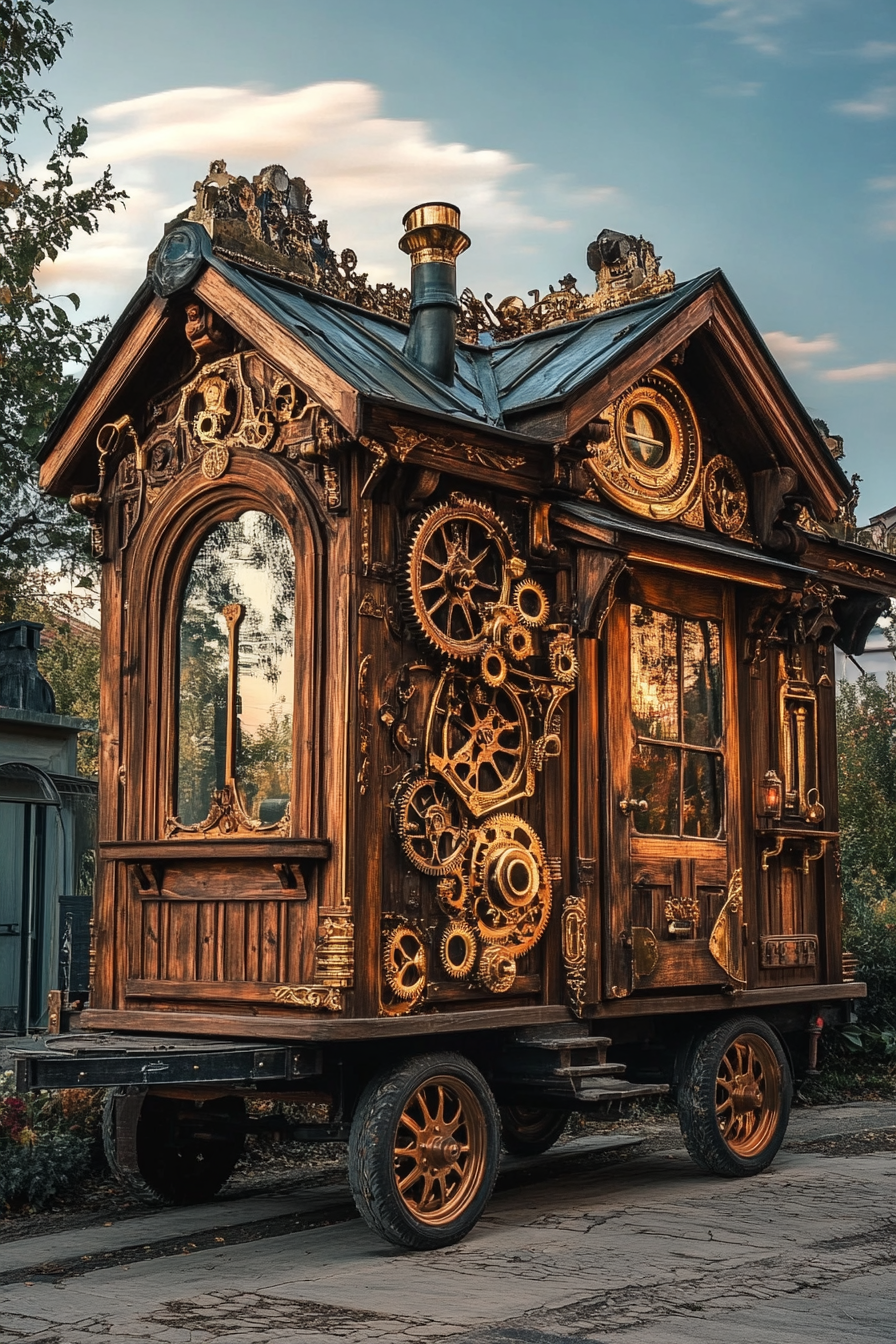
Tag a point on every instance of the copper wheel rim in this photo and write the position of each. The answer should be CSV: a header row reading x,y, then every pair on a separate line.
x,y
748,1095
440,1150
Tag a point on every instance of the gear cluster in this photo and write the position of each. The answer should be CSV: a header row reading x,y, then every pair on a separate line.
x,y
492,722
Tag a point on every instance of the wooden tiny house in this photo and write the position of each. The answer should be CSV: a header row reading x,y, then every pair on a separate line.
x,y
468,677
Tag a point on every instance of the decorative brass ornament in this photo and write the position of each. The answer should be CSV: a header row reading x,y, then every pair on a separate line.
x,y
531,603
429,825
404,963
725,497
574,943
478,740
458,949
682,913
364,723
784,949
451,894
726,942
563,660
497,971
309,996
495,459
335,956
645,954
650,463
215,461
510,884
456,570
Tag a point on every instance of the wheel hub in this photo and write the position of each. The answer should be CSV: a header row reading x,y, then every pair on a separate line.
x,y
746,1094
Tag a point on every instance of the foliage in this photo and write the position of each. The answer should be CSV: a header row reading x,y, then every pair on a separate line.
x,y
39,340
45,1142
69,658
866,731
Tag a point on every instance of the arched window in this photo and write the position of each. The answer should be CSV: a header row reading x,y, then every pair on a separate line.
x,y
236,679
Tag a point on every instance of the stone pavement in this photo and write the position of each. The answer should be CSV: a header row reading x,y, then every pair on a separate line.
x,y
645,1252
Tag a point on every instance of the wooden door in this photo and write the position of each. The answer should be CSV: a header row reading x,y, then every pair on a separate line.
x,y
672,744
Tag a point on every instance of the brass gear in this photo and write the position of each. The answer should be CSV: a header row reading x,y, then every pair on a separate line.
x,y
478,741
497,970
563,660
426,818
458,567
458,949
493,667
531,603
404,962
518,643
511,885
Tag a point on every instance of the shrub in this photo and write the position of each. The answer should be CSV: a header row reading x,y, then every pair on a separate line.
x,y
45,1143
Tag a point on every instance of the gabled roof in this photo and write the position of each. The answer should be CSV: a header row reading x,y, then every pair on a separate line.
x,y
543,386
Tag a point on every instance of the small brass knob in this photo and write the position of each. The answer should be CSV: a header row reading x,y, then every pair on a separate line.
x,y
627,805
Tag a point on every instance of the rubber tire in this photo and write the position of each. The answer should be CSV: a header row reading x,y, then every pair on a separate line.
x,y
175,1168
537,1136
370,1152
697,1100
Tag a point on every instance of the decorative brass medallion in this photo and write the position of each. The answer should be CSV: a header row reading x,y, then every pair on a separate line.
x,y
497,970
650,463
725,497
308,996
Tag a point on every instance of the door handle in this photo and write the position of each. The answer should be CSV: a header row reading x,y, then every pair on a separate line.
x,y
627,805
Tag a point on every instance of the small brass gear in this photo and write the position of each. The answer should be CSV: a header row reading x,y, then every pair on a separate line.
x,y
563,660
404,962
451,894
493,667
459,566
458,949
427,820
518,643
497,970
531,603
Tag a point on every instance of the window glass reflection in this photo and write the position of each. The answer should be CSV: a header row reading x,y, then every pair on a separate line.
x,y
701,677
702,795
654,673
238,665
655,779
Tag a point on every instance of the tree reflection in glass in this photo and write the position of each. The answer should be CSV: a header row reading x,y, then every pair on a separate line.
x,y
246,561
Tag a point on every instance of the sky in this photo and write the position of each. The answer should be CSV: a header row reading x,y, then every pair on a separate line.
x,y
754,135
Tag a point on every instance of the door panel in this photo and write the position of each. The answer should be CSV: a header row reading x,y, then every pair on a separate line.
x,y
671,746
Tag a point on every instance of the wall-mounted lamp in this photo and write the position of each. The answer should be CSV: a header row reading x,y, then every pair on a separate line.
x,y
771,795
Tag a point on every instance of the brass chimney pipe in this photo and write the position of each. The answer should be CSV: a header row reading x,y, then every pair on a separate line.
x,y
433,240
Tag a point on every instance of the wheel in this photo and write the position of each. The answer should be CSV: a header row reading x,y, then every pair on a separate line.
x,y
423,1151
734,1098
181,1151
531,1129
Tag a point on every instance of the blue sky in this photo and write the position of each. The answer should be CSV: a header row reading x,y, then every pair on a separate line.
x,y
755,135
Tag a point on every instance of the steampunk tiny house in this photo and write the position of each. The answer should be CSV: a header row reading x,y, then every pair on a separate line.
x,y
467,707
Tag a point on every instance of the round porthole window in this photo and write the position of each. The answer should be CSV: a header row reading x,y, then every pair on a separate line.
x,y
650,463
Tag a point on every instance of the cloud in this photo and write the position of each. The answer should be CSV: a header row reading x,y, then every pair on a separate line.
x,y
365,171
877,51
753,23
796,352
876,104
885,213
862,373
743,89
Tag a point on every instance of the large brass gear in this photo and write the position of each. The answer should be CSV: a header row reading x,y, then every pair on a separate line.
x,y
478,740
404,962
511,884
458,568
427,820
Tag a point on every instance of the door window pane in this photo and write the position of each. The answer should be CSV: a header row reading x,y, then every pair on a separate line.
x,y
655,780
702,795
701,677
237,664
654,675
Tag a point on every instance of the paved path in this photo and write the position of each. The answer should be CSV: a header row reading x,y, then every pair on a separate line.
x,y
644,1252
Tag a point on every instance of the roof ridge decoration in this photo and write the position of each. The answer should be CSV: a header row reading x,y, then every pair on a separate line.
x,y
268,222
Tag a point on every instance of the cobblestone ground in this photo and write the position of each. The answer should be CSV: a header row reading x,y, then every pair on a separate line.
x,y
644,1252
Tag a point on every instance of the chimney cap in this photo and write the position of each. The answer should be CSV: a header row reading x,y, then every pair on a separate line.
x,y
432,233
432,212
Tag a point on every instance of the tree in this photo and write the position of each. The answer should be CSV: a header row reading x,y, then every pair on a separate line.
x,y
39,339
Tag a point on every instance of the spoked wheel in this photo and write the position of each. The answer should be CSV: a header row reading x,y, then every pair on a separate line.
x,y
180,1151
423,1151
531,1129
734,1100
